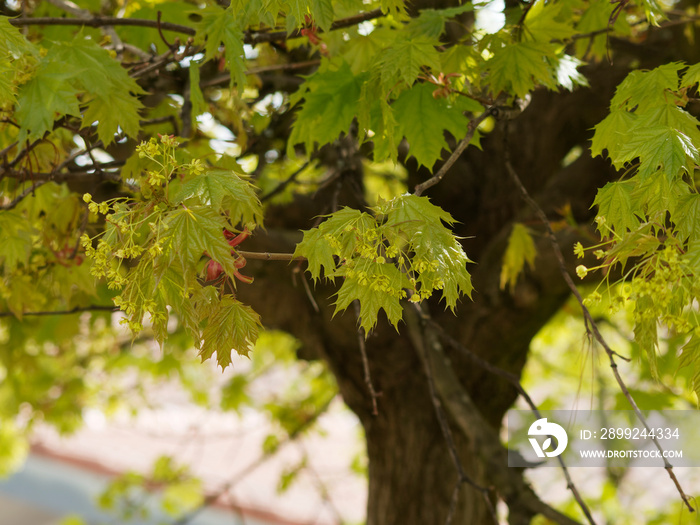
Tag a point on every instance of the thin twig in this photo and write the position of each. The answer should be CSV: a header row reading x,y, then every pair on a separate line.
x,y
101,21
258,38
90,308
591,325
267,256
365,362
21,196
249,38
432,181
282,185
226,77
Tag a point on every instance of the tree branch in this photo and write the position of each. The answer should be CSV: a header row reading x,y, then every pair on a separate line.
x,y
421,343
251,37
591,325
365,361
267,256
101,21
513,380
512,488
90,308
473,124
22,195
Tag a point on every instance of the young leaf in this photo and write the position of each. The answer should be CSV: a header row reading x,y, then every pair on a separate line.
x,y
687,217
402,62
520,251
193,231
47,96
232,326
224,191
439,260
199,105
519,67
615,203
114,103
376,286
612,132
544,23
319,253
644,89
330,104
423,118
659,147
222,25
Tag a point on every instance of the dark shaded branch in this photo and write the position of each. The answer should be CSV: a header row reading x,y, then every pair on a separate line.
x,y
102,21
421,344
458,403
365,361
282,185
90,308
258,38
249,38
432,181
22,195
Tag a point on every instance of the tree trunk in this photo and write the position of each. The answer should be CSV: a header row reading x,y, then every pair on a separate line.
x,y
412,474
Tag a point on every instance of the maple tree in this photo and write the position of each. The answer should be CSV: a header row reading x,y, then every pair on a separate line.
x,y
399,170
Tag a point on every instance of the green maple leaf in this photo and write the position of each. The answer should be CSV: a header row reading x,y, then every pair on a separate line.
x,y
420,223
544,23
612,132
403,61
520,251
595,18
232,326
114,103
94,69
323,13
199,105
318,253
691,76
224,191
330,105
47,97
223,26
430,23
190,232
520,67
669,115
616,203
16,240
13,42
377,287
690,355
645,334
118,110
422,119
686,216
659,147
644,89
7,85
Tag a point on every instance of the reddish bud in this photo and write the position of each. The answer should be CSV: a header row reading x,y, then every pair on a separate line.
x,y
214,270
